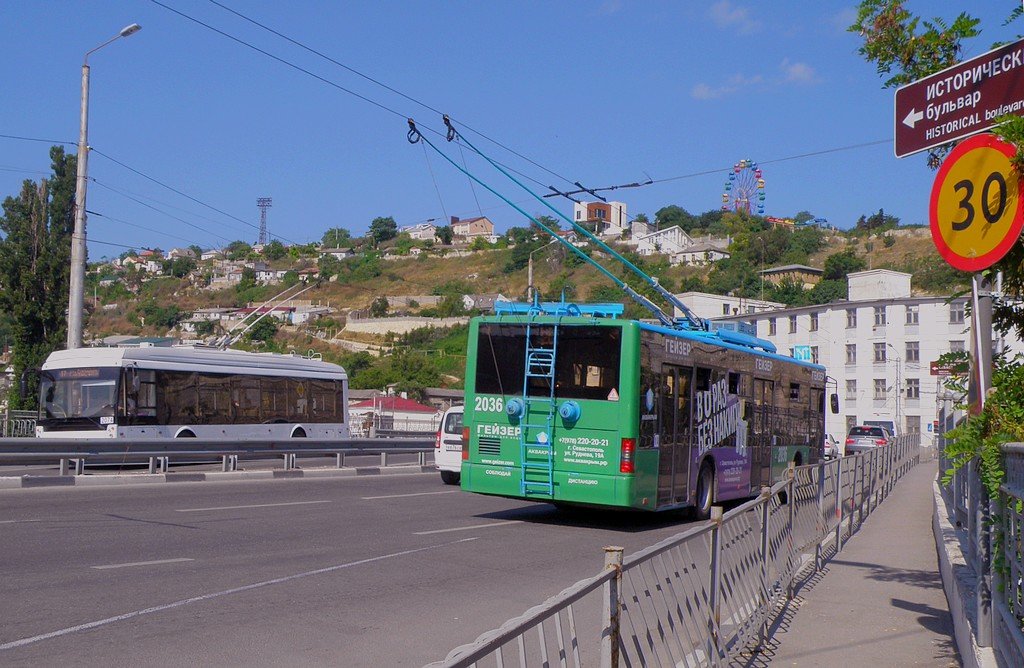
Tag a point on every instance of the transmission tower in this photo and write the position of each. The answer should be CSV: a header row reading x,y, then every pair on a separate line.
x,y
263,203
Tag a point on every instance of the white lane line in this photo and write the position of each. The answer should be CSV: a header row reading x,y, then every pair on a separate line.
x,y
255,505
400,496
142,563
17,521
217,594
475,526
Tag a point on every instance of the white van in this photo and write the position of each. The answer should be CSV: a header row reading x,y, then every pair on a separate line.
x,y
448,446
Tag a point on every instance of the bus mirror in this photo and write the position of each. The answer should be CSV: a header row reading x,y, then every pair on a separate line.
x,y
25,389
833,401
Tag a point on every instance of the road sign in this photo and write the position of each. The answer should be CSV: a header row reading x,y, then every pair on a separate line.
x,y
976,211
947,369
802,353
961,100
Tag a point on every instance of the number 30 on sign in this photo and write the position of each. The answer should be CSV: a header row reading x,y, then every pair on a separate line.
x,y
976,211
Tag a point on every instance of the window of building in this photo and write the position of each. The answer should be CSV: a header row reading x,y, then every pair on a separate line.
x,y
879,388
794,391
851,353
579,215
792,324
913,388
956,346
814,322
913,351
879,316
851,389
771,326
851,318
956,312
814,354
725,309
912,315
879,352
851,422
913,424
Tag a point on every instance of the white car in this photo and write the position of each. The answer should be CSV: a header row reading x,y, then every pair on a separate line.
x,y
831,447
448,446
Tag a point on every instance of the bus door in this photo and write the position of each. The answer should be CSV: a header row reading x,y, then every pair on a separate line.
x,y
763,433
674,435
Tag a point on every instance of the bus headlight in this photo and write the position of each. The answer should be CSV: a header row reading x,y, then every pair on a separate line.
x,y
515,408
570,411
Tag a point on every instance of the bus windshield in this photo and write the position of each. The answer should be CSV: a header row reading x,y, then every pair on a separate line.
x,y
77,393
586,363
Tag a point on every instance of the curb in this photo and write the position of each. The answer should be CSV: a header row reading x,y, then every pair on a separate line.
x,y
958,581
117,479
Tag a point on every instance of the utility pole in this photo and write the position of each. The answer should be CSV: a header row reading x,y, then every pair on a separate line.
x,y
263,203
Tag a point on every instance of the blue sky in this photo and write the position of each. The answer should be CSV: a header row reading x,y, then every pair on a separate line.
x,y
605,93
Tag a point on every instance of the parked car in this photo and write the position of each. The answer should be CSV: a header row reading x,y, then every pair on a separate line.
x,y
832,449
448,446
863,437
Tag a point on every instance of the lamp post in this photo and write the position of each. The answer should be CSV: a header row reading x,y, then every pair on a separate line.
x,y
529,270
76,296
899,389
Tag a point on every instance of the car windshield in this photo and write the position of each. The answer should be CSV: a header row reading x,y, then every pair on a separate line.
x,y
868,431
76,393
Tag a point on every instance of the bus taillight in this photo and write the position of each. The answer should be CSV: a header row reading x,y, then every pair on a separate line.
x,y
465,444
626,456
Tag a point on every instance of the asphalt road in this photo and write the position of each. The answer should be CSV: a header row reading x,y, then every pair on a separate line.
x,y
360,571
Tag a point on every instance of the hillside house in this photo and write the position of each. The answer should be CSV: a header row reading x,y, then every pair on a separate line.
x,y
421,232
392,413
212,255
179,253
608,219
800,274
670,241
470,228
701,254
337,253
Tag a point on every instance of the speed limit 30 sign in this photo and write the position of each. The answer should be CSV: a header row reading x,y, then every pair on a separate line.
x,y
976,211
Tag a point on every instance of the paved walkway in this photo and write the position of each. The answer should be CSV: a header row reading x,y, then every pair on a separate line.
x,y
880,601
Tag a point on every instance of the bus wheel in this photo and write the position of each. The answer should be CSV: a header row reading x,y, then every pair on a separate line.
x,y
450,477
185,433
299,433
705,491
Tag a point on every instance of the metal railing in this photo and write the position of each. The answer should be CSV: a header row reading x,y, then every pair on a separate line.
x,y
709,593
18,424
71,454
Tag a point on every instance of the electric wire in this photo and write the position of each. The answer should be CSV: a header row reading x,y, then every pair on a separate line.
x,y
141,227
430,169
189,212
382,85
169,215
47,141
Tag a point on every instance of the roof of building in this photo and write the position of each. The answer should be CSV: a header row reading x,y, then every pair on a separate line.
x,y
705,248
792,267
395,404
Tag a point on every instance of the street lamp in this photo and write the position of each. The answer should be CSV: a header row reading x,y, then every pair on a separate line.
x,y
78,251
899,389
529,271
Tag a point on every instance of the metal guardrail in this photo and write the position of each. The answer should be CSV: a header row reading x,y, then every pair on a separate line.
x,y
709,593
18,424
71,454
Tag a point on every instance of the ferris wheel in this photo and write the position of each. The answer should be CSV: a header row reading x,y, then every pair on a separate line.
x,y
744,189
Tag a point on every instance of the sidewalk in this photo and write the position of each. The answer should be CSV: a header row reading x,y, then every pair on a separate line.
x,y
879,602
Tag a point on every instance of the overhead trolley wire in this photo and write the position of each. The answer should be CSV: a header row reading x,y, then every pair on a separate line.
x,y
384,86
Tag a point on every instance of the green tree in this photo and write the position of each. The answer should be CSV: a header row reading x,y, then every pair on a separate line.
x,y
264,330
379,307
248,279
383,229
198,250
35,254
335,237
238,250
179,267
445,234
275,250
838,265
672,215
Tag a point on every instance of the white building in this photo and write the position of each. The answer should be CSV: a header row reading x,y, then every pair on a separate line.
x,y
670,241
421,232
877,347
609,218
701,254
708,306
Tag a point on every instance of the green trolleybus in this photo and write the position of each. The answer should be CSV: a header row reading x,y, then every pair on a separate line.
x,y
573,404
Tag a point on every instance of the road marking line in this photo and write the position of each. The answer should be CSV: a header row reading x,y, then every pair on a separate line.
x,y
399,496
142,563
475,526
255,505
217,594
17,521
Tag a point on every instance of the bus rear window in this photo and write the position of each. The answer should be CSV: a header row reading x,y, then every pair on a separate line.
x,y
586,361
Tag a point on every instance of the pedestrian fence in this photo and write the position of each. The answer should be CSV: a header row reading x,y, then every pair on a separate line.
x,y
18,424
708,594
992,534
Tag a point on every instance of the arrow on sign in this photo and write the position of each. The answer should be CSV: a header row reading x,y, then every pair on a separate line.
x,y
913,117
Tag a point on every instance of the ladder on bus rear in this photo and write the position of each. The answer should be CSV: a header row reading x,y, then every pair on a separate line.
x,y
536,437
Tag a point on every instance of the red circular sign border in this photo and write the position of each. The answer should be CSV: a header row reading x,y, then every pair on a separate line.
x,y
960,262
